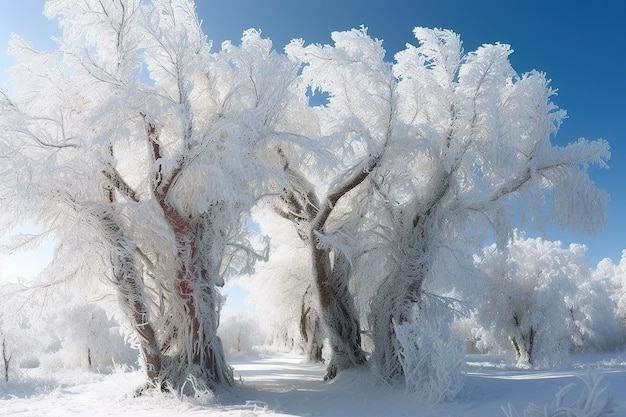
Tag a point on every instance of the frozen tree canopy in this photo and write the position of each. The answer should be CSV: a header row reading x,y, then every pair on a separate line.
x,y
541,299
144,152
147,151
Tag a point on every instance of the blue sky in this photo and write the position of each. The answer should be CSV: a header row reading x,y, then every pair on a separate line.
x,y
580,45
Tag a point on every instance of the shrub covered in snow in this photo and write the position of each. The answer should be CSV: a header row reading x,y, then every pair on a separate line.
x,y
431,357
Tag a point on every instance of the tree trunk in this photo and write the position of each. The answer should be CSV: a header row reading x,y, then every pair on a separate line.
x,y
131,296
208,352
338,311
6,358
395,298
194,349
193,346
391,306
523,344
310,329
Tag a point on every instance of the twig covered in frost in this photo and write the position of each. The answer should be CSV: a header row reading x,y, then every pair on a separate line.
x,y
594,401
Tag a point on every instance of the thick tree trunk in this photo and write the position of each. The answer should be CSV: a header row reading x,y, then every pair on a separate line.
x,y
132,297
133,303
195,348
128,280
393,304
338,314
208,352
338,311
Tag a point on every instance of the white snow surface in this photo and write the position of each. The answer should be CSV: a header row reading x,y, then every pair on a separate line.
x,y
285,385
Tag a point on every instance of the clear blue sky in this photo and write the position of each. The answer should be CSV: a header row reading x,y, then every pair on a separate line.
x,y
581,45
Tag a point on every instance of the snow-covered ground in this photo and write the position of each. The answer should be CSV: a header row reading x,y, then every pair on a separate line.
x,y
284,385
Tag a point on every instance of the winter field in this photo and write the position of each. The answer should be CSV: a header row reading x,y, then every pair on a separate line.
x,y
283,384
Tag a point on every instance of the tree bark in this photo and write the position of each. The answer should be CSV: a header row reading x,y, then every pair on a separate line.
x,y
331,270
523,343
6,358
395,299
310,329
131,296
338,311
194,347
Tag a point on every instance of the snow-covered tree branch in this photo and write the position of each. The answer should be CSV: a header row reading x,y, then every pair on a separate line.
x,y
135,141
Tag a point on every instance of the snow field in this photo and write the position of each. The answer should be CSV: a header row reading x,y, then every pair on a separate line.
x,y
285,385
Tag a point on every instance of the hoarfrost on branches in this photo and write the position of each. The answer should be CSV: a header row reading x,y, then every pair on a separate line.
x,y
137,147
144,148
594,401
541,301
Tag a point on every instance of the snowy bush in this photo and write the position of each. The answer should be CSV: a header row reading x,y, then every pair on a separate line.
x,y
599,328
431,357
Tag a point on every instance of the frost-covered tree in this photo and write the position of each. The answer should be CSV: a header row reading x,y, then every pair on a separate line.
x,y
594,308
135,146
241,334
7,356
505,295
537,300
323,289
615,276
471,138
441,145
355,122
460,138
138,150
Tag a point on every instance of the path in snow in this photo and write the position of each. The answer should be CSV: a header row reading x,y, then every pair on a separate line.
x,y
287,384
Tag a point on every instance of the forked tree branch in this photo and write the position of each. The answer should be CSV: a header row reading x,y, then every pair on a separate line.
x,y
162,186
